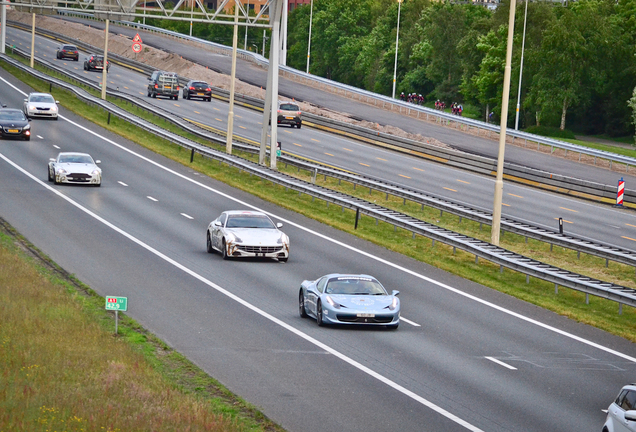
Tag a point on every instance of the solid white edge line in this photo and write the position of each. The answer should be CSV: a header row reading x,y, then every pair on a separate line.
x,y
351,248
248,305
414,324
492,359
368,255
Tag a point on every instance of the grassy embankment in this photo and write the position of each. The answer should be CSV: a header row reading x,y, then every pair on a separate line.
x,y
598,312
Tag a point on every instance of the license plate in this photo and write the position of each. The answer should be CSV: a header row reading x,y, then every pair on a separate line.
x,y
289,118
13,131
366,315
200,94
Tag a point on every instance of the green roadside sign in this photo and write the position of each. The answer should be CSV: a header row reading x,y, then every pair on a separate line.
x,y
117,303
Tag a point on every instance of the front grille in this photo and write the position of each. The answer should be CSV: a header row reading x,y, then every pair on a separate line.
x,y
260,249
42,109
378,319
80,177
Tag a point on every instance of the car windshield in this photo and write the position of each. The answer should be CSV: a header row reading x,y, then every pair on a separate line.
x,y
84,159
42,98
354,285
289,107
249,221
12,115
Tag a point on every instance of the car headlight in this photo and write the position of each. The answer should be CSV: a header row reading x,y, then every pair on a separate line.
x,y
31,107
95,172
54,108
331,302
233,238
27,127
283,239
393,304
61,171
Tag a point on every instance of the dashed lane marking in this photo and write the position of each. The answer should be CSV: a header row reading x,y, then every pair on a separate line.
x,y
499,362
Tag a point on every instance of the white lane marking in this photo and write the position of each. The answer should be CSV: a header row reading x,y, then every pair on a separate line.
x,y
361,252
414,324
186,216
57,147
152,199
122,183
250,306
40,136
614,226
492,359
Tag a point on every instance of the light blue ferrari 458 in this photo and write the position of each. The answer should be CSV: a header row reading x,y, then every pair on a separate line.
x,y
349,299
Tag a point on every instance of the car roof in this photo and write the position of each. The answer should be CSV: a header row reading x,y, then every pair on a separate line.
x,y
73,154
349,275
69,45
245,212
10,110
40,94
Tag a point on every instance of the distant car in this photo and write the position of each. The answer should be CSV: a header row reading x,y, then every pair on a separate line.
x,y
162,83
239,233
67,51
349,299
40,105
76,168
14,124
95,62
197,89
621,414
289,113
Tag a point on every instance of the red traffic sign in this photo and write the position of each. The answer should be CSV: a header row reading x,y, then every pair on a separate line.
x,y
136,47
137,38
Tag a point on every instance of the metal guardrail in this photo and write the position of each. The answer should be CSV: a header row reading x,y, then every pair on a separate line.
x,y
474,163
393,103
479,248
579,244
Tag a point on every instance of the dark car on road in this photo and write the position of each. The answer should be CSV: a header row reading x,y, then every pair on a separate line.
x,y
67,51
197,89
95,62
14,124
162,83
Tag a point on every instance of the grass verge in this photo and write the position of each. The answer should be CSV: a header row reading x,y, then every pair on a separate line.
x,y
64,369
598,312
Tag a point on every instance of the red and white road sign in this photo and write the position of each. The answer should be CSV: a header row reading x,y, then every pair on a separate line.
x,y
136,47
137,38
620,191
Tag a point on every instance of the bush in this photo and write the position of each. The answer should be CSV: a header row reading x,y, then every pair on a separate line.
x,y
550,131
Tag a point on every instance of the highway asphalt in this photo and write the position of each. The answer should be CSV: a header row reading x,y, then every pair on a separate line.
x,y
541,208
467,358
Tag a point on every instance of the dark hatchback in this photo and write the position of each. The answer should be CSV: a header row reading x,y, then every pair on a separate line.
x,y
95,62
197,89
14,124
67,51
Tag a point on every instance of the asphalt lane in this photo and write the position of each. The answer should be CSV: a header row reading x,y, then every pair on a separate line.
x,y
238,319
537,207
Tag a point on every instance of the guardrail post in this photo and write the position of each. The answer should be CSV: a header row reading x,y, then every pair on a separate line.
x,y
192,155
357,217
314,175
556,288
108,121
560,226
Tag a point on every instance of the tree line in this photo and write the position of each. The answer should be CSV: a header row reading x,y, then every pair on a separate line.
x,y
579,69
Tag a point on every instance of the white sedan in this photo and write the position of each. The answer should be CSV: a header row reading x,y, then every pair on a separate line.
x,y
76,168
241,233
40,105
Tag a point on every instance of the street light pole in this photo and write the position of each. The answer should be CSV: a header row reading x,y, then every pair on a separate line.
x,y
230,114
496,212
523,46
247,18
191,15
397,38
311,16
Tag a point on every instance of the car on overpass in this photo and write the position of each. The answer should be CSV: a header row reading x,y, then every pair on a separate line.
x,y
242,233
67,51
349,299
621,414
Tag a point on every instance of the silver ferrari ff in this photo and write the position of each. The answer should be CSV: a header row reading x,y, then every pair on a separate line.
x,y
76,168
240,233
349,299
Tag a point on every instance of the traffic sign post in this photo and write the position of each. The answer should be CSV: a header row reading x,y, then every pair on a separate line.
x,y
117,304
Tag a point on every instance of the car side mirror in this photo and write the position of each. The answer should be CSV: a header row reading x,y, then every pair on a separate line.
x,y
29,119
279,225
4,105
24,100
395,293
57,102
52,159
630,415
98,161
217,223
